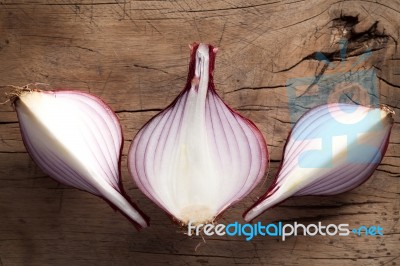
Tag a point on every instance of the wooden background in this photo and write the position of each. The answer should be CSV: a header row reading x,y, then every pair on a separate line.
x,y
134,55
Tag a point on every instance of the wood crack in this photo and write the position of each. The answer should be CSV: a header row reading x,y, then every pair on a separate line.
x,y
259,88
139,110
63,4
393,174
334,206
389,83
229,8
149,68
187,254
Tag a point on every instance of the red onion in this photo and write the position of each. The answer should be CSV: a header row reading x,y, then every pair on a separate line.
x,y
198,156
332,149
75,138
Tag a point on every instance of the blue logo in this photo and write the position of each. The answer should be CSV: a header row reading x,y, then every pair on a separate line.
x,y
339,82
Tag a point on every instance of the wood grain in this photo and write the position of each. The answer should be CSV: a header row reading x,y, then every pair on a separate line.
x,y
134,55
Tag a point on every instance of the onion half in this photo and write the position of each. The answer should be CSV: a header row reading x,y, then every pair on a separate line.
x,y
75,138
332,149
198,156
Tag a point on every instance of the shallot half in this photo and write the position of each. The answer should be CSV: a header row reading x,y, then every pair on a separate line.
x,y
332,149
198,156
75,138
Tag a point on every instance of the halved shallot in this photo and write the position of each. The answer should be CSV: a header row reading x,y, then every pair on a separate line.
x,y
333,148
198,156
75,138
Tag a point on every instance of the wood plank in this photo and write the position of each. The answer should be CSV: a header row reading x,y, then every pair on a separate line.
x,y
134,55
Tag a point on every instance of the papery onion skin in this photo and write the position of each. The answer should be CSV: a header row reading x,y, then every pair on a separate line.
x,y
329,180
198,156
76,138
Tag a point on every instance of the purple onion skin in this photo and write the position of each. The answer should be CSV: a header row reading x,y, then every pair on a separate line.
x,y
211,92
274,186
120,185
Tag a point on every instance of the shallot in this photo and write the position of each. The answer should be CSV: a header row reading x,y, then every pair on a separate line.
x,y
332,149
198,156
75,138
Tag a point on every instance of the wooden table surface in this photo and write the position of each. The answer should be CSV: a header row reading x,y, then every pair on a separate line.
x,y
134,55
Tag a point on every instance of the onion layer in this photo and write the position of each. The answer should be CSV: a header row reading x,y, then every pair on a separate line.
x,y
333,148
76,138
198,156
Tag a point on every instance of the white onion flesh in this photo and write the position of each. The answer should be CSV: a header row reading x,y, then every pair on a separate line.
x,y
76,138
332,149
198,156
